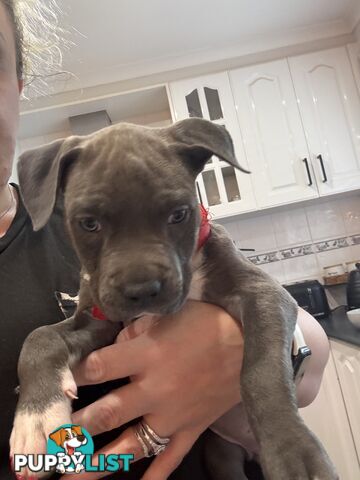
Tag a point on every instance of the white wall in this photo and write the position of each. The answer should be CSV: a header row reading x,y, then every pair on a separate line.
x,y
357,33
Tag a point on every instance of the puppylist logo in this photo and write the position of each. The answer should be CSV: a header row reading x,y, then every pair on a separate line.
x,y
70,449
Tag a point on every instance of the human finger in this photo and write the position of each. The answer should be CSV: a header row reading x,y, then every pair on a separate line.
x,y
115,409
110,363
167,461
137,328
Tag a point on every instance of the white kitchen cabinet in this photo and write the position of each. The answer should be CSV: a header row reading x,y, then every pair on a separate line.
x,y
327,417
274,139
223,189
295,124
354,54
329,105
347,363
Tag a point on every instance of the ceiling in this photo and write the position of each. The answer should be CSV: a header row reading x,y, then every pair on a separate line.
x,y
119,39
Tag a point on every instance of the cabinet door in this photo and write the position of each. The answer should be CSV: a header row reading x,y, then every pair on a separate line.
x,y
273,136
327,418
347,363
223,189
330,108
354,54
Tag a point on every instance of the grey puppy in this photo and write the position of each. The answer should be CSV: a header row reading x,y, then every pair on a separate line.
x,y
132,213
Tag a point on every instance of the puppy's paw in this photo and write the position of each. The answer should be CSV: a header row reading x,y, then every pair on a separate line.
x,y
298,457
60,469
31,431
79,468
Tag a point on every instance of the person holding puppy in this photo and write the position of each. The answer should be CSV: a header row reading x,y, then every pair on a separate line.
x,y
187,368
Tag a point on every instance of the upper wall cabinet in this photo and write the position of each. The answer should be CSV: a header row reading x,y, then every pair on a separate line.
x,y
330,109
223,189
274,139
354,54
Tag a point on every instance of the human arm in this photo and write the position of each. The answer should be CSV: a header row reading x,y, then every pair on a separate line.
x,y
202,382
318,343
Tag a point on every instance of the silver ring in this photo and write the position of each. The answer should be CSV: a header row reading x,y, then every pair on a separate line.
x,y
142,443
151,443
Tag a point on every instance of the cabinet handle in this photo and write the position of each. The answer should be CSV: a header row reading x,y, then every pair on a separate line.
x,y
319,157
308,171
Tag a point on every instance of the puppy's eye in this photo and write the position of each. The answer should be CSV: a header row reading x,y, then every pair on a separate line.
x,y
179,215
90,224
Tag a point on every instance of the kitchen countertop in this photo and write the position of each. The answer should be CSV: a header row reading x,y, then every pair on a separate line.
x,y
337,326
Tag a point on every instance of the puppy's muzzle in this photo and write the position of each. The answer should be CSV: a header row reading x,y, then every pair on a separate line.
x,y
129,295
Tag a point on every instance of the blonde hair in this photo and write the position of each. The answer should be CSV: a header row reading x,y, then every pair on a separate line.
x,y
38,36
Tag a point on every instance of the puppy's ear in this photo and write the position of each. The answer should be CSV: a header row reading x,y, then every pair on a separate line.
x,y
58,437
196,140
41,172
77,429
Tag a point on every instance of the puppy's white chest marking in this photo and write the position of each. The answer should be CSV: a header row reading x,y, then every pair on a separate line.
x,y
198,279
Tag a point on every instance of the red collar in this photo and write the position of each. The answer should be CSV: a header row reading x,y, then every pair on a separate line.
x,y
204,235
97,313
205,227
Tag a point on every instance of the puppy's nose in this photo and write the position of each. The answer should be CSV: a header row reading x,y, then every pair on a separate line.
x,y
142,292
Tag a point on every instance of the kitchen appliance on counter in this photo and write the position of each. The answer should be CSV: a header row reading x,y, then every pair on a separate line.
x,y
311,296
335,275
353,288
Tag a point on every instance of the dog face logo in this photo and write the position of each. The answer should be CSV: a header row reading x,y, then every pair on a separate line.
x,y
70,449
69,438
70,443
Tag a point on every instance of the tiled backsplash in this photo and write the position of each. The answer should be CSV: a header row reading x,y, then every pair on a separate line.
x,y
297,243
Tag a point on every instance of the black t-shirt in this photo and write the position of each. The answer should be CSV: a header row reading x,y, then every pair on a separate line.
x,y
34,266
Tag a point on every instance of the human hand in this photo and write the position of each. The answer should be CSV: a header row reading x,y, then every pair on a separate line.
x,y
185,373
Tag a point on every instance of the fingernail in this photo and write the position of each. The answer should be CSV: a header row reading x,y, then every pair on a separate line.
x,y
21,477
